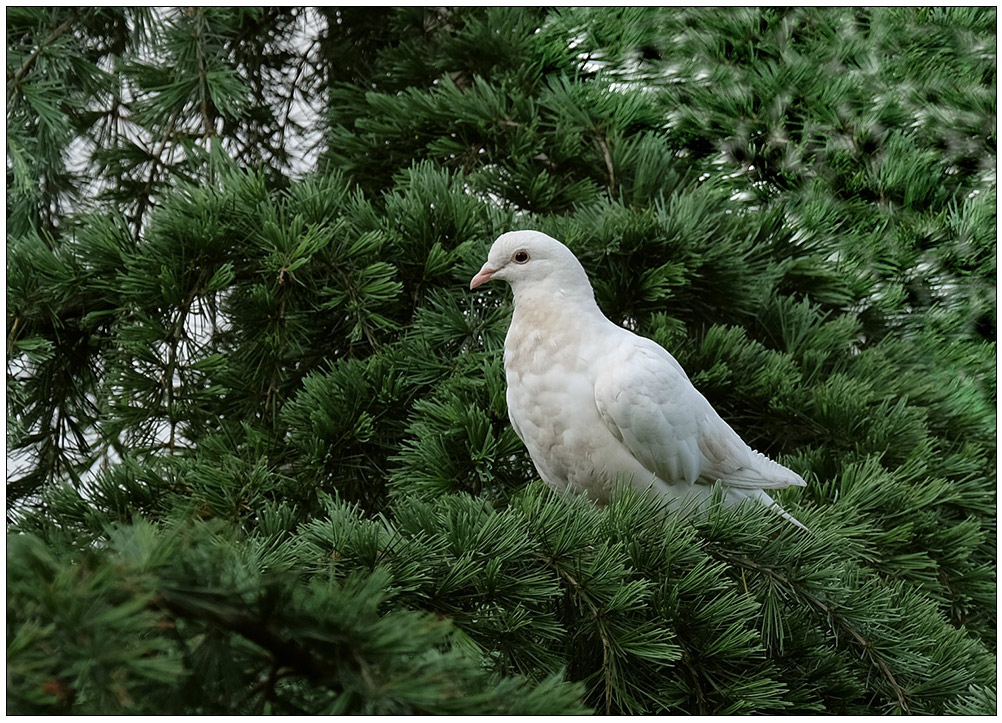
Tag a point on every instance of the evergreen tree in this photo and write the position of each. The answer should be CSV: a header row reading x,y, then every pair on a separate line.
x,y
259,458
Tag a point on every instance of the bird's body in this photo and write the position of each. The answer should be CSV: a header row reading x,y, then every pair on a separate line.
x,y
597,405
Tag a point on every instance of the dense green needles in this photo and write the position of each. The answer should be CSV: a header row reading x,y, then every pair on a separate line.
x,y
259,458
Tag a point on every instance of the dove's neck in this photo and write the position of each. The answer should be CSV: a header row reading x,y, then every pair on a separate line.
x,y
550,331
571,306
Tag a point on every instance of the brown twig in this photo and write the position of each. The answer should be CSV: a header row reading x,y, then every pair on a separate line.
x,y
177,335
204,88
30,61
144,197
608,162
265,688
290,100
12,334
203,72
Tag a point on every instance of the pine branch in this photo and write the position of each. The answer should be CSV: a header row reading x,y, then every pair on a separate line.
x,y
265,688
203,87
597,616
283,651
15,79
168,376
832,614
290,99
600,139
825,276
144,197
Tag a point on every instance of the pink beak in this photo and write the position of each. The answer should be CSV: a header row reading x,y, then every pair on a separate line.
x,y
482,277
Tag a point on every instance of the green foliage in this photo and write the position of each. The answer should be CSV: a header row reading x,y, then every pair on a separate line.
x,y
215,610
259,458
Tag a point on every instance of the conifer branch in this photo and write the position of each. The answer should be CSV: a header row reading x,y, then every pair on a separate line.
x,y
600,139
291,98
265,688
753,245
597,617
30,60
203,85
175,337
284,652
832,614
143,201
12,334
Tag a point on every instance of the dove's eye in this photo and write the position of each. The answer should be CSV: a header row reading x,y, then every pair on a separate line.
x,y
520,257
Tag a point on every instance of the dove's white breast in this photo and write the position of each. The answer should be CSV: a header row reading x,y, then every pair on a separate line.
x,y
551,365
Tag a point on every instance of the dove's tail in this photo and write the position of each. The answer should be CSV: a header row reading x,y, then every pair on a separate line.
x,y
771,504
764,499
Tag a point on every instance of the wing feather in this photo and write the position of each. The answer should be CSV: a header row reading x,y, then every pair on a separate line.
x,y
649,404
642,398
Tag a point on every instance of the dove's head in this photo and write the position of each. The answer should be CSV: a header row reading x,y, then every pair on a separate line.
x,y
534,263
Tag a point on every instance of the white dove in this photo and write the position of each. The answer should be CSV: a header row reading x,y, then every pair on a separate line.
x,y
595,404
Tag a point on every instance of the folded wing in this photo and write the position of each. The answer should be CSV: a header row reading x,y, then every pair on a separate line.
x,y
649,404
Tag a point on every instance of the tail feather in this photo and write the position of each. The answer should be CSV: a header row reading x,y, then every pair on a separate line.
x,y
764,499
787,516
772,505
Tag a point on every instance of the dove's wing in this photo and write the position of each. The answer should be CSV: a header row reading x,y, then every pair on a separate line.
x,y
649,404
644,401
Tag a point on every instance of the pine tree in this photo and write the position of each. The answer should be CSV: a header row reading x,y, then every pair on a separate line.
x,y
259,458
